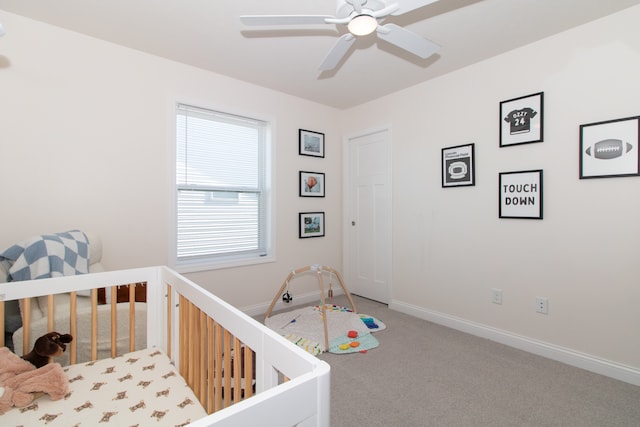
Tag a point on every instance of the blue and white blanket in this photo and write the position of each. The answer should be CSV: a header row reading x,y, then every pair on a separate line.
x,y
48,255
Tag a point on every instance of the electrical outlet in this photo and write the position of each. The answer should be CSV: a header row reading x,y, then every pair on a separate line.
x,y
496,296
542,305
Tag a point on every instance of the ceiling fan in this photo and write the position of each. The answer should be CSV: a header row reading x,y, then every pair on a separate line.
x,y
362,18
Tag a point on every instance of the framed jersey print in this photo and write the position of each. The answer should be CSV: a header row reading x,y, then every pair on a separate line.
x,y
521,120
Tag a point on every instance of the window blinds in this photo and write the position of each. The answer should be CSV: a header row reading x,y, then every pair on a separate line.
x,y
220,177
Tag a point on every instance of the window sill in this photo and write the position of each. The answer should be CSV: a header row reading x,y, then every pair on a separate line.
x,y
206,265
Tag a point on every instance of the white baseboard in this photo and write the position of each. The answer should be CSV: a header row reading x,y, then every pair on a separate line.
x,y
550,351
309,298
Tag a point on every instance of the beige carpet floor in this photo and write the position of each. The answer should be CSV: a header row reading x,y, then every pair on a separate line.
x,y
424,374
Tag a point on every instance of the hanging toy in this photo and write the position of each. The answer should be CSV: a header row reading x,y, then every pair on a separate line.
x,y
286,297
330,293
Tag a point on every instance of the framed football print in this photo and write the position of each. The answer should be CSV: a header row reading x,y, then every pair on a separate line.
x,y
610,149
458,168
521,120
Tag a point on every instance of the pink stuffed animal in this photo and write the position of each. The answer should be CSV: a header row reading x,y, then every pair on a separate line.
x,y
21,382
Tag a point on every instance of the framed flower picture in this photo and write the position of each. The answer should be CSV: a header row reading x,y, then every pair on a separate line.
x,y
311,184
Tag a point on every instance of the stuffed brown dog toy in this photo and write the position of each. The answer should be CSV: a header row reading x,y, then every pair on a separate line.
x,y
47,347
24,379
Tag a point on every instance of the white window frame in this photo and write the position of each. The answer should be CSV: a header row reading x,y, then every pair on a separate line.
x,y
231,260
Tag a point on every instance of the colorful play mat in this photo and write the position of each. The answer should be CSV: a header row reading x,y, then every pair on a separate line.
x,y
348,332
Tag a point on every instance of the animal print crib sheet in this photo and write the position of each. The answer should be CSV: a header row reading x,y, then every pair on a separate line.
x,y
141,388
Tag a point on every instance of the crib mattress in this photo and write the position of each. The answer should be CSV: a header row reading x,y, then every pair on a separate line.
x,y
141,388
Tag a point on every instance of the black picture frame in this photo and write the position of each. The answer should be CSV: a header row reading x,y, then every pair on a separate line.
x,y
520,194
310,143
311,184
610,149
522,120
310,224
458,166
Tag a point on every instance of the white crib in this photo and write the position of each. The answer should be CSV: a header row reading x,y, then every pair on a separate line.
x,y
275,383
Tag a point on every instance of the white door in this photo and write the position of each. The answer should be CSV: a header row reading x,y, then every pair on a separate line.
x,y
368,215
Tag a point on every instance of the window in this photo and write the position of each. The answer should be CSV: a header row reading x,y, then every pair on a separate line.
x,y
222,189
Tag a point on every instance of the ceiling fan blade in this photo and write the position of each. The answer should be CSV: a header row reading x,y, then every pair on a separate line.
x,y
337,52
284,19
405,6
407,40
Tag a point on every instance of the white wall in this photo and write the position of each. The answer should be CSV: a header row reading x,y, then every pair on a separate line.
x,y
86,144
450,248
85,131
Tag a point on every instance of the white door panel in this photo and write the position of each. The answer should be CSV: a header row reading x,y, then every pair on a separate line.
x,y
368,228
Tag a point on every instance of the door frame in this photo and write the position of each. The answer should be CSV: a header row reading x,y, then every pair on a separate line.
x,y
346,213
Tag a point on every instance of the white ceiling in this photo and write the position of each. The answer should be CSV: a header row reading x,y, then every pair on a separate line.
x,y
208,34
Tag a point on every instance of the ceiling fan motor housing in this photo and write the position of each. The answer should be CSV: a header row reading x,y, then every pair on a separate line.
x,y
345,7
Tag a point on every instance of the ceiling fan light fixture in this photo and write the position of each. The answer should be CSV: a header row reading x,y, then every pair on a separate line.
x,y
362,25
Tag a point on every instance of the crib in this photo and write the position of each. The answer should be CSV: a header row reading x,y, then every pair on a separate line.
x,y
240,372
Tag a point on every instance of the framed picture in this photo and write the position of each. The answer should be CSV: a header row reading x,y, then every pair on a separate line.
x,y
311,143
520,194
311,184
311,224
610,149
458,167
521,120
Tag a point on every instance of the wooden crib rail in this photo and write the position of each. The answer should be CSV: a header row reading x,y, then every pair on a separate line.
x,y
60,298
218,366
64,315
227,340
